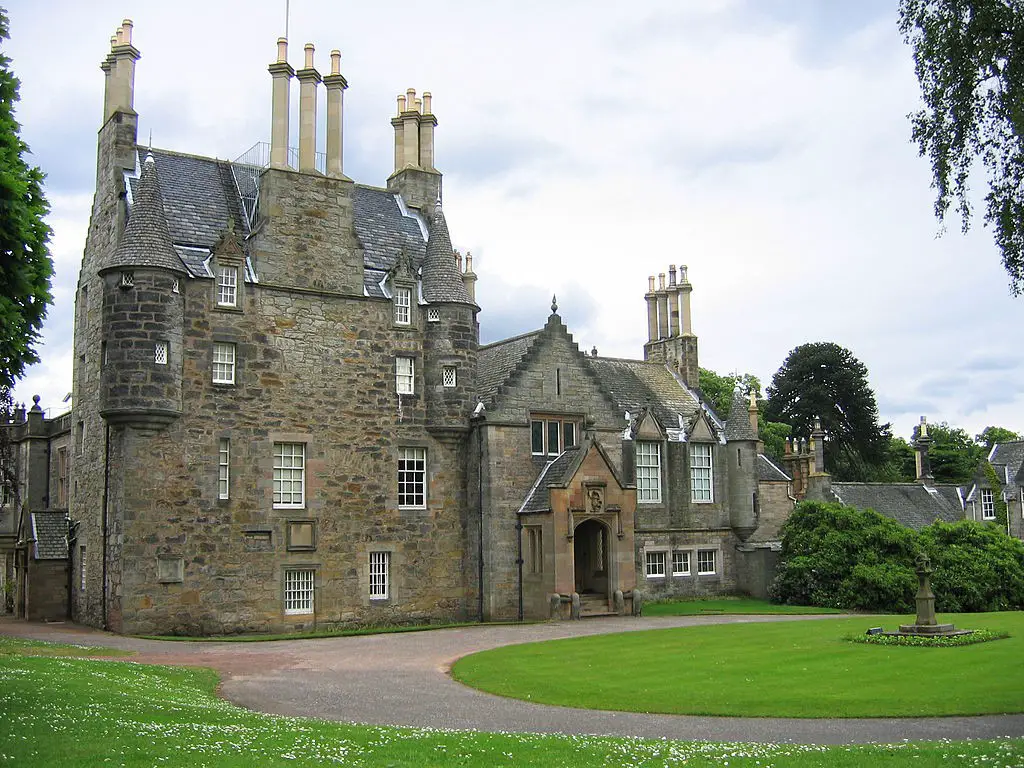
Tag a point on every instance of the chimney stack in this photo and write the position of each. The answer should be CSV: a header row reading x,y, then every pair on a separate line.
x,y
686,323
469,276
427,123
652,311
662,307
309,79
119,71
282,73
336,85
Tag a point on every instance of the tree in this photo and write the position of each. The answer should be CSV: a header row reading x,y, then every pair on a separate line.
x,y
718,390
992,435
824,380
953,455
969,59
25,265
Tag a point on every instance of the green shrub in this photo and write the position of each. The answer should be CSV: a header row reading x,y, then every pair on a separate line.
x,y
977,567
841,557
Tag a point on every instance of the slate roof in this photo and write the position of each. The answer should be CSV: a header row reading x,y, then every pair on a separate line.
x,y
201,195
556,472
146,241
768,472
633,384
1011,456
911,504
497,361
441,279
737,427
50,530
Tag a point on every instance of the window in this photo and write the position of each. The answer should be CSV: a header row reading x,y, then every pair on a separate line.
x,y
433,315
412,477
988,506
298,591
62,478
551,436
81,568
680,563
655,565
227,286
700,472
127,279
535,537
648,472
223,468
79,438
380,565
223,363
706,561
448,376
302,535
160,353
6,496
289,475
405,375
175,286
403,306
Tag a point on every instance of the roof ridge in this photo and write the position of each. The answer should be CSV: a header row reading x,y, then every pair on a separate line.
x,y
509,339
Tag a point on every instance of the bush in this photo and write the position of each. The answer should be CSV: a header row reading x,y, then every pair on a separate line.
x,y
841,557
977,567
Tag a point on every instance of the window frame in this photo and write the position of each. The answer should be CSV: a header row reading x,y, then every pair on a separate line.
x,y
227,286
698,472
380,574
405,381
564,424
62,477
224,468
299,588
682,553
227,366
158,348
402,302
412,481
988,504
449,373
714,562
279,481
651,558
648,482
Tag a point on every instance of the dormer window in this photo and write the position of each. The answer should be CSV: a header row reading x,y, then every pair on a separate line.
x,y
403,306
127,279
227,286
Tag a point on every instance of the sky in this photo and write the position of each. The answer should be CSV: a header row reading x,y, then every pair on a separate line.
x,y
585,146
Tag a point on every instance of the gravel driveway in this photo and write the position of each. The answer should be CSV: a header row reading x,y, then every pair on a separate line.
x,y
402,679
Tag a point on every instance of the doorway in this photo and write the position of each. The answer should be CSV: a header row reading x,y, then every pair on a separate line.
x,y
590,557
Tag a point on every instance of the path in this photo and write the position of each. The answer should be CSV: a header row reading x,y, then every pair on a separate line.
x,y
401,679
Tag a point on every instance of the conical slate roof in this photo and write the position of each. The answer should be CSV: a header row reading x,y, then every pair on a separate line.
x,y
737,426
441,279
146,241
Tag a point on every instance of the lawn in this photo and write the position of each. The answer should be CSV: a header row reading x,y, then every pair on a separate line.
x,y
72,712
727,605
785,669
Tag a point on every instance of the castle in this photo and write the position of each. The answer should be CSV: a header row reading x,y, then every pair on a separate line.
x,y
283,417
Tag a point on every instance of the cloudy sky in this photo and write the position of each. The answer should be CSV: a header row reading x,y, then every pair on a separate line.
x,y
585,146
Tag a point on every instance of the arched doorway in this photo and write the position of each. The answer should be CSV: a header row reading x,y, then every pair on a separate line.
x,y
590,558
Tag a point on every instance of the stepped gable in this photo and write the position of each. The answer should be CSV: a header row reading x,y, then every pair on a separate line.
x,y
498,361
442,281
384,231
911,504
634,384
737,426
146,241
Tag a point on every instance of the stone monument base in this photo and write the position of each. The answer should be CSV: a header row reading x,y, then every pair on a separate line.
x,y
930,630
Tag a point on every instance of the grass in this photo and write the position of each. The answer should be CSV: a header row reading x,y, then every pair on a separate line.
x,y
785,669
14,646
728,605
73,712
